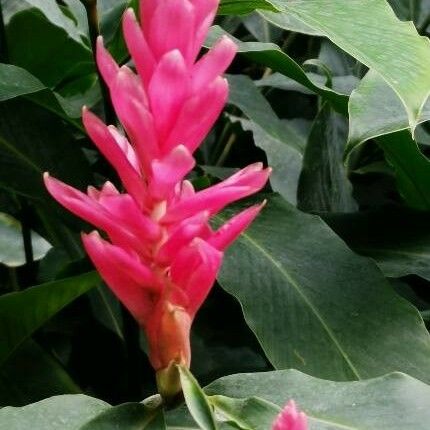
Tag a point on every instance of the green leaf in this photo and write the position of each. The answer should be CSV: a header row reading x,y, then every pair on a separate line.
x,y
52,12
324,186
33,141
398,239
32,40
22,313
392,402
281,143
68,412
252,413
12,246
31,374
375,110
196,400
411,167
38,29
392,48
129,416
107,309
315,305
242,7
273,57
16,81
289,22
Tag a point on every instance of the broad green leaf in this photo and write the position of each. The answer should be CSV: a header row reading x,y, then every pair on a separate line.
x,y
411,167
68,412
324,186
375,110
15,82
22,313
242,7
315,305
51,10
129,416
272,56
196,400
252,413
390,47
398,239
35,29
392,402
32,374
288,22
35,39
281,143
33,141
12,246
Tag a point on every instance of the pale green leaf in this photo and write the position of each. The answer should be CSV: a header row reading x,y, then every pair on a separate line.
x,y
392,402
378,39
12,246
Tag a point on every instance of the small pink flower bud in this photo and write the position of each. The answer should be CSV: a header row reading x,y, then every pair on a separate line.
x,y
291,418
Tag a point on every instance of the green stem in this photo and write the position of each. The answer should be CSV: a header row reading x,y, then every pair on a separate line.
x,y
26,233
13,279
4,55
226,150
93,24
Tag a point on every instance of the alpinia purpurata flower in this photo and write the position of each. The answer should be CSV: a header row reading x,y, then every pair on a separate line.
x,y
291,418
161,256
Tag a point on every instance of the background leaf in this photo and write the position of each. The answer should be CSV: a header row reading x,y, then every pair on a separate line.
x,y
12,252
316,306
282,144
33,141
392,48
411,167
375,110
392,402
68,412
32,374
396,238
22,313
324,186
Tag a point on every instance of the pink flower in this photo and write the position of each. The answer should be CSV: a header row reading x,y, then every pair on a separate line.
x,y
291,418
159,254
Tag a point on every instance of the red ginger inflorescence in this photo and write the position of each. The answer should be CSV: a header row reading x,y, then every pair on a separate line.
x,y
161,257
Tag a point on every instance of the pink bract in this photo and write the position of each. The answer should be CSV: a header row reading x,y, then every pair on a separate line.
x,y
291,418
158,253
